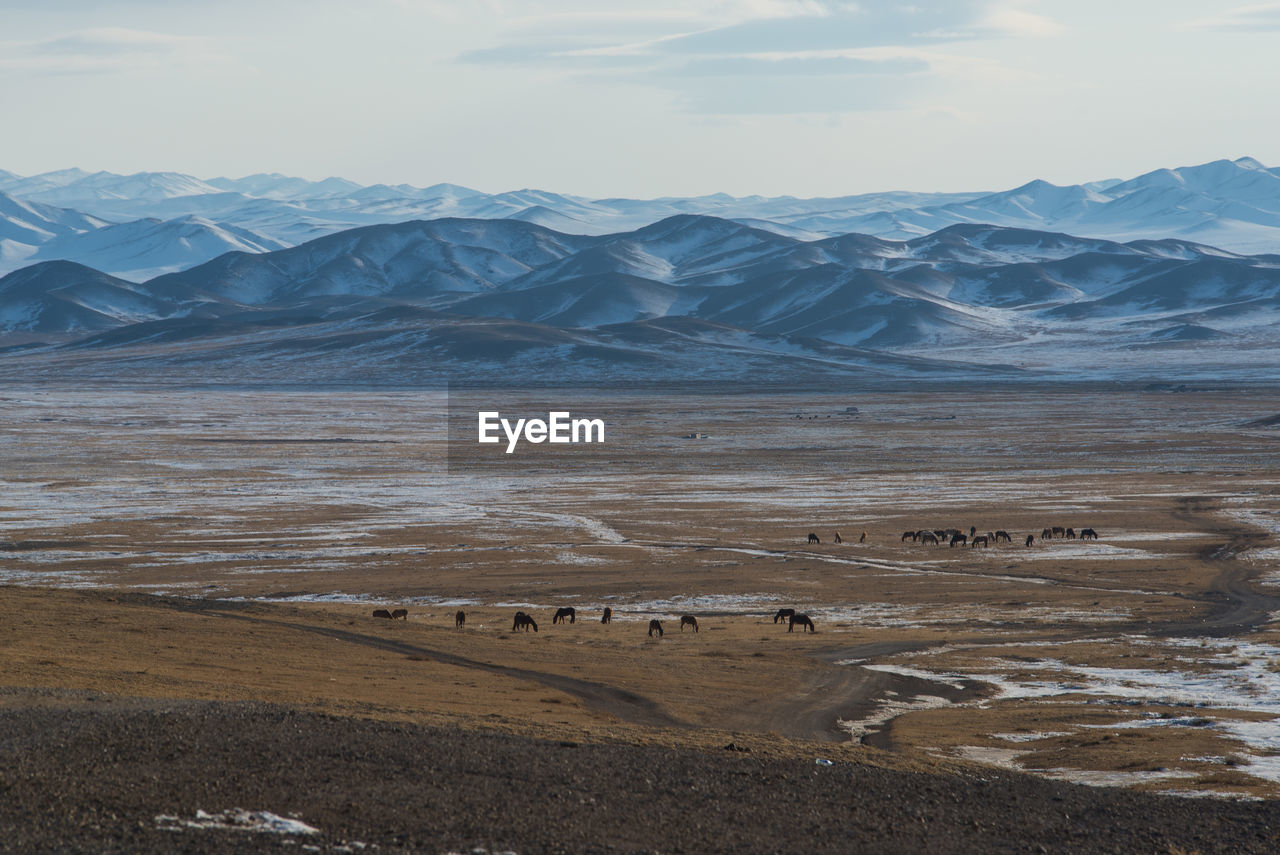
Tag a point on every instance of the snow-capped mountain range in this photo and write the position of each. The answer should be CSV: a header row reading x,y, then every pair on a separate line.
x,y
687,297
166,221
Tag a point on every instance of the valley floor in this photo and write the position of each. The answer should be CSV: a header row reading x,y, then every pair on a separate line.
x,y
179,561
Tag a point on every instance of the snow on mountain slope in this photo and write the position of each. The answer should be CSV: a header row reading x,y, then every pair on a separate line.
x,y
146,248
276,186
972,293
416,260
33,224
26,226
60,296
1231,204
590,301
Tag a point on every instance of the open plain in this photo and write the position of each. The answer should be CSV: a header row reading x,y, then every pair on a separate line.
x,y
168,548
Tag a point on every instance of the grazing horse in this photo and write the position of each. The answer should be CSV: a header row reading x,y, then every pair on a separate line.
x,y
801,621
655,625
460,619
783,614
402,614
1071,533
1059,530
947,533
838,540
1031,538
523,621
813,538
688,620
1002,534
607,617
1088,534
959,538
564,614
1047,534
382,613
910,535
928,536
983,540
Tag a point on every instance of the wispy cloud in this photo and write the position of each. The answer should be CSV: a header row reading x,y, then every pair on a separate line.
x,y
1263,18
105,50
791,56
1013,18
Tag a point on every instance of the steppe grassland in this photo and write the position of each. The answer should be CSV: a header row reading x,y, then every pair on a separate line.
x,y
1139,659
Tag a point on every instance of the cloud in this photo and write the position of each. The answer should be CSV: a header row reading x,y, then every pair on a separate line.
x,y
1011,19
105,50
1262,18
790,55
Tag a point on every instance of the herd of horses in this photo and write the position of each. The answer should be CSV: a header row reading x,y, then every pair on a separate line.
x,y
524,622
957,537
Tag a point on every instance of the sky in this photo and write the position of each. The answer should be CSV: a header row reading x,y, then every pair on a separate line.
x,y
641,98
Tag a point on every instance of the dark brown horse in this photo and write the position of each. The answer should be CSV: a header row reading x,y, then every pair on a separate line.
x,y
1071,533
862,538
1003,535
959,538
910,535
813,538
607,617
460,619
382,613
980,540
402,614
524,622
564,614
1059,530
838,540
1031,538
928,537
1047,534
801,621
1088,534
783,614
655,625
688,620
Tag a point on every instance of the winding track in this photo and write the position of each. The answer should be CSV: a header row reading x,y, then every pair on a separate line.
x,y
622,703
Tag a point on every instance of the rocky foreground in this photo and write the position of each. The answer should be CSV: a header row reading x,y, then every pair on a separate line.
x,y
97,775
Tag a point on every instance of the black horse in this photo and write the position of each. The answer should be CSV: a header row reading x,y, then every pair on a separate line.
x,y
460,619
655,625
564,614
523,621
382,613
783,614
1088,534
608,615
813,538
801,621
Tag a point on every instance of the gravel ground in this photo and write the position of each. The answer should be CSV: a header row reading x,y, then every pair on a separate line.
x,y
94,775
